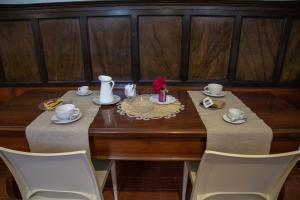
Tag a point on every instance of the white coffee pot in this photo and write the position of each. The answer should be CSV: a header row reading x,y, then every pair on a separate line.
x,y
106,89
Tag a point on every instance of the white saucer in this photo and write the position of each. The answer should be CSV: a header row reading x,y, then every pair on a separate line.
x,y
55,120
222,94
87,94
227,119
169,99
96,100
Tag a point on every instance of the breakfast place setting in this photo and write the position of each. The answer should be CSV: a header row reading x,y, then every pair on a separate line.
x,y
212,99
144,106
98,121
226,118
228,121
64,125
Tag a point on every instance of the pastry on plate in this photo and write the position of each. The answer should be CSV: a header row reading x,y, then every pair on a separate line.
x,y
50,104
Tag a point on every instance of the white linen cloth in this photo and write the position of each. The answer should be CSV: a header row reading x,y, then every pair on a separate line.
x,y
44,136
251,137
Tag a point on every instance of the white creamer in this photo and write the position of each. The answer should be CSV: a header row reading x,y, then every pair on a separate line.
x,y
106,89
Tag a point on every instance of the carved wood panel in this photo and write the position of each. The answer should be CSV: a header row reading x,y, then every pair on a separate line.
x,y
147,42
258,48
17,51
160,46
62,49
291,69
110,46
210,47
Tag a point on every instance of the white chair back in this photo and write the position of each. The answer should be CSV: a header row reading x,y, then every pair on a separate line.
x,y
226,176
69,175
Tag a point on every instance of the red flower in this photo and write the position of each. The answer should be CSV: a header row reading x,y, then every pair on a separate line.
x,y
159,83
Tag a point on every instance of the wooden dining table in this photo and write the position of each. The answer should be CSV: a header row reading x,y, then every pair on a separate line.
x,y
183,137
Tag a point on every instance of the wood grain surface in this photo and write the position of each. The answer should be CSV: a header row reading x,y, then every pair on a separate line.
x,y
17,51
62,49
210,47
258,48
110,47
160,46
183,137
188,42
291,69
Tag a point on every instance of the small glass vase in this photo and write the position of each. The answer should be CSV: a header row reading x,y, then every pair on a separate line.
x,y
162,95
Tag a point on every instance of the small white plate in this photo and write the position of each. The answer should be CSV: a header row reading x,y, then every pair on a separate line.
x,y
222,94
96,100
227,119
41,105
87,94
55,120
169,99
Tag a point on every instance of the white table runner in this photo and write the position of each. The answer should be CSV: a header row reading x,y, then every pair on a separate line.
x,y
44,136
252,137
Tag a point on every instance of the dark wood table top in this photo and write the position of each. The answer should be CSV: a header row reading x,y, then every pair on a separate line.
x,y
283,118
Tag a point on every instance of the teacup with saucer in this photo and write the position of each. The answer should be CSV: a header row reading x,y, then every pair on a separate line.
x,y
235,116
84,91
214,90
66,113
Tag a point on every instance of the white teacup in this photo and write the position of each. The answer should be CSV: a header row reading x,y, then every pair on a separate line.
x,y
235,114
83,89
213,88
66,111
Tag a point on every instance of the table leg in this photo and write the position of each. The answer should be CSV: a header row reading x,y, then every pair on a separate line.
x,y
12,188
281,194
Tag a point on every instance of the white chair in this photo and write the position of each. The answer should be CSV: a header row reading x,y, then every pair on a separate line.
x,y
49,176
224,176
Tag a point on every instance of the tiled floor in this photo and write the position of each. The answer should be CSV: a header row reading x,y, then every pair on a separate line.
x,y
139,180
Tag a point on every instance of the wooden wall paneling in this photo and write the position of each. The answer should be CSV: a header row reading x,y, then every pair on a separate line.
x,y
135,53
17,51
247,66
185,50
210,47
284,36
86,49
291,69
160,46
2,75
62,49
185,43
39,50
110,46
258,48
234,47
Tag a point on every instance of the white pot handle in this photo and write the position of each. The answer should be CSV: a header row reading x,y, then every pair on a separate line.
x,y
113,85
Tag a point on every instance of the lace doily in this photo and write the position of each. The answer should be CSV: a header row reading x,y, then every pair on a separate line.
x,y
141,108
